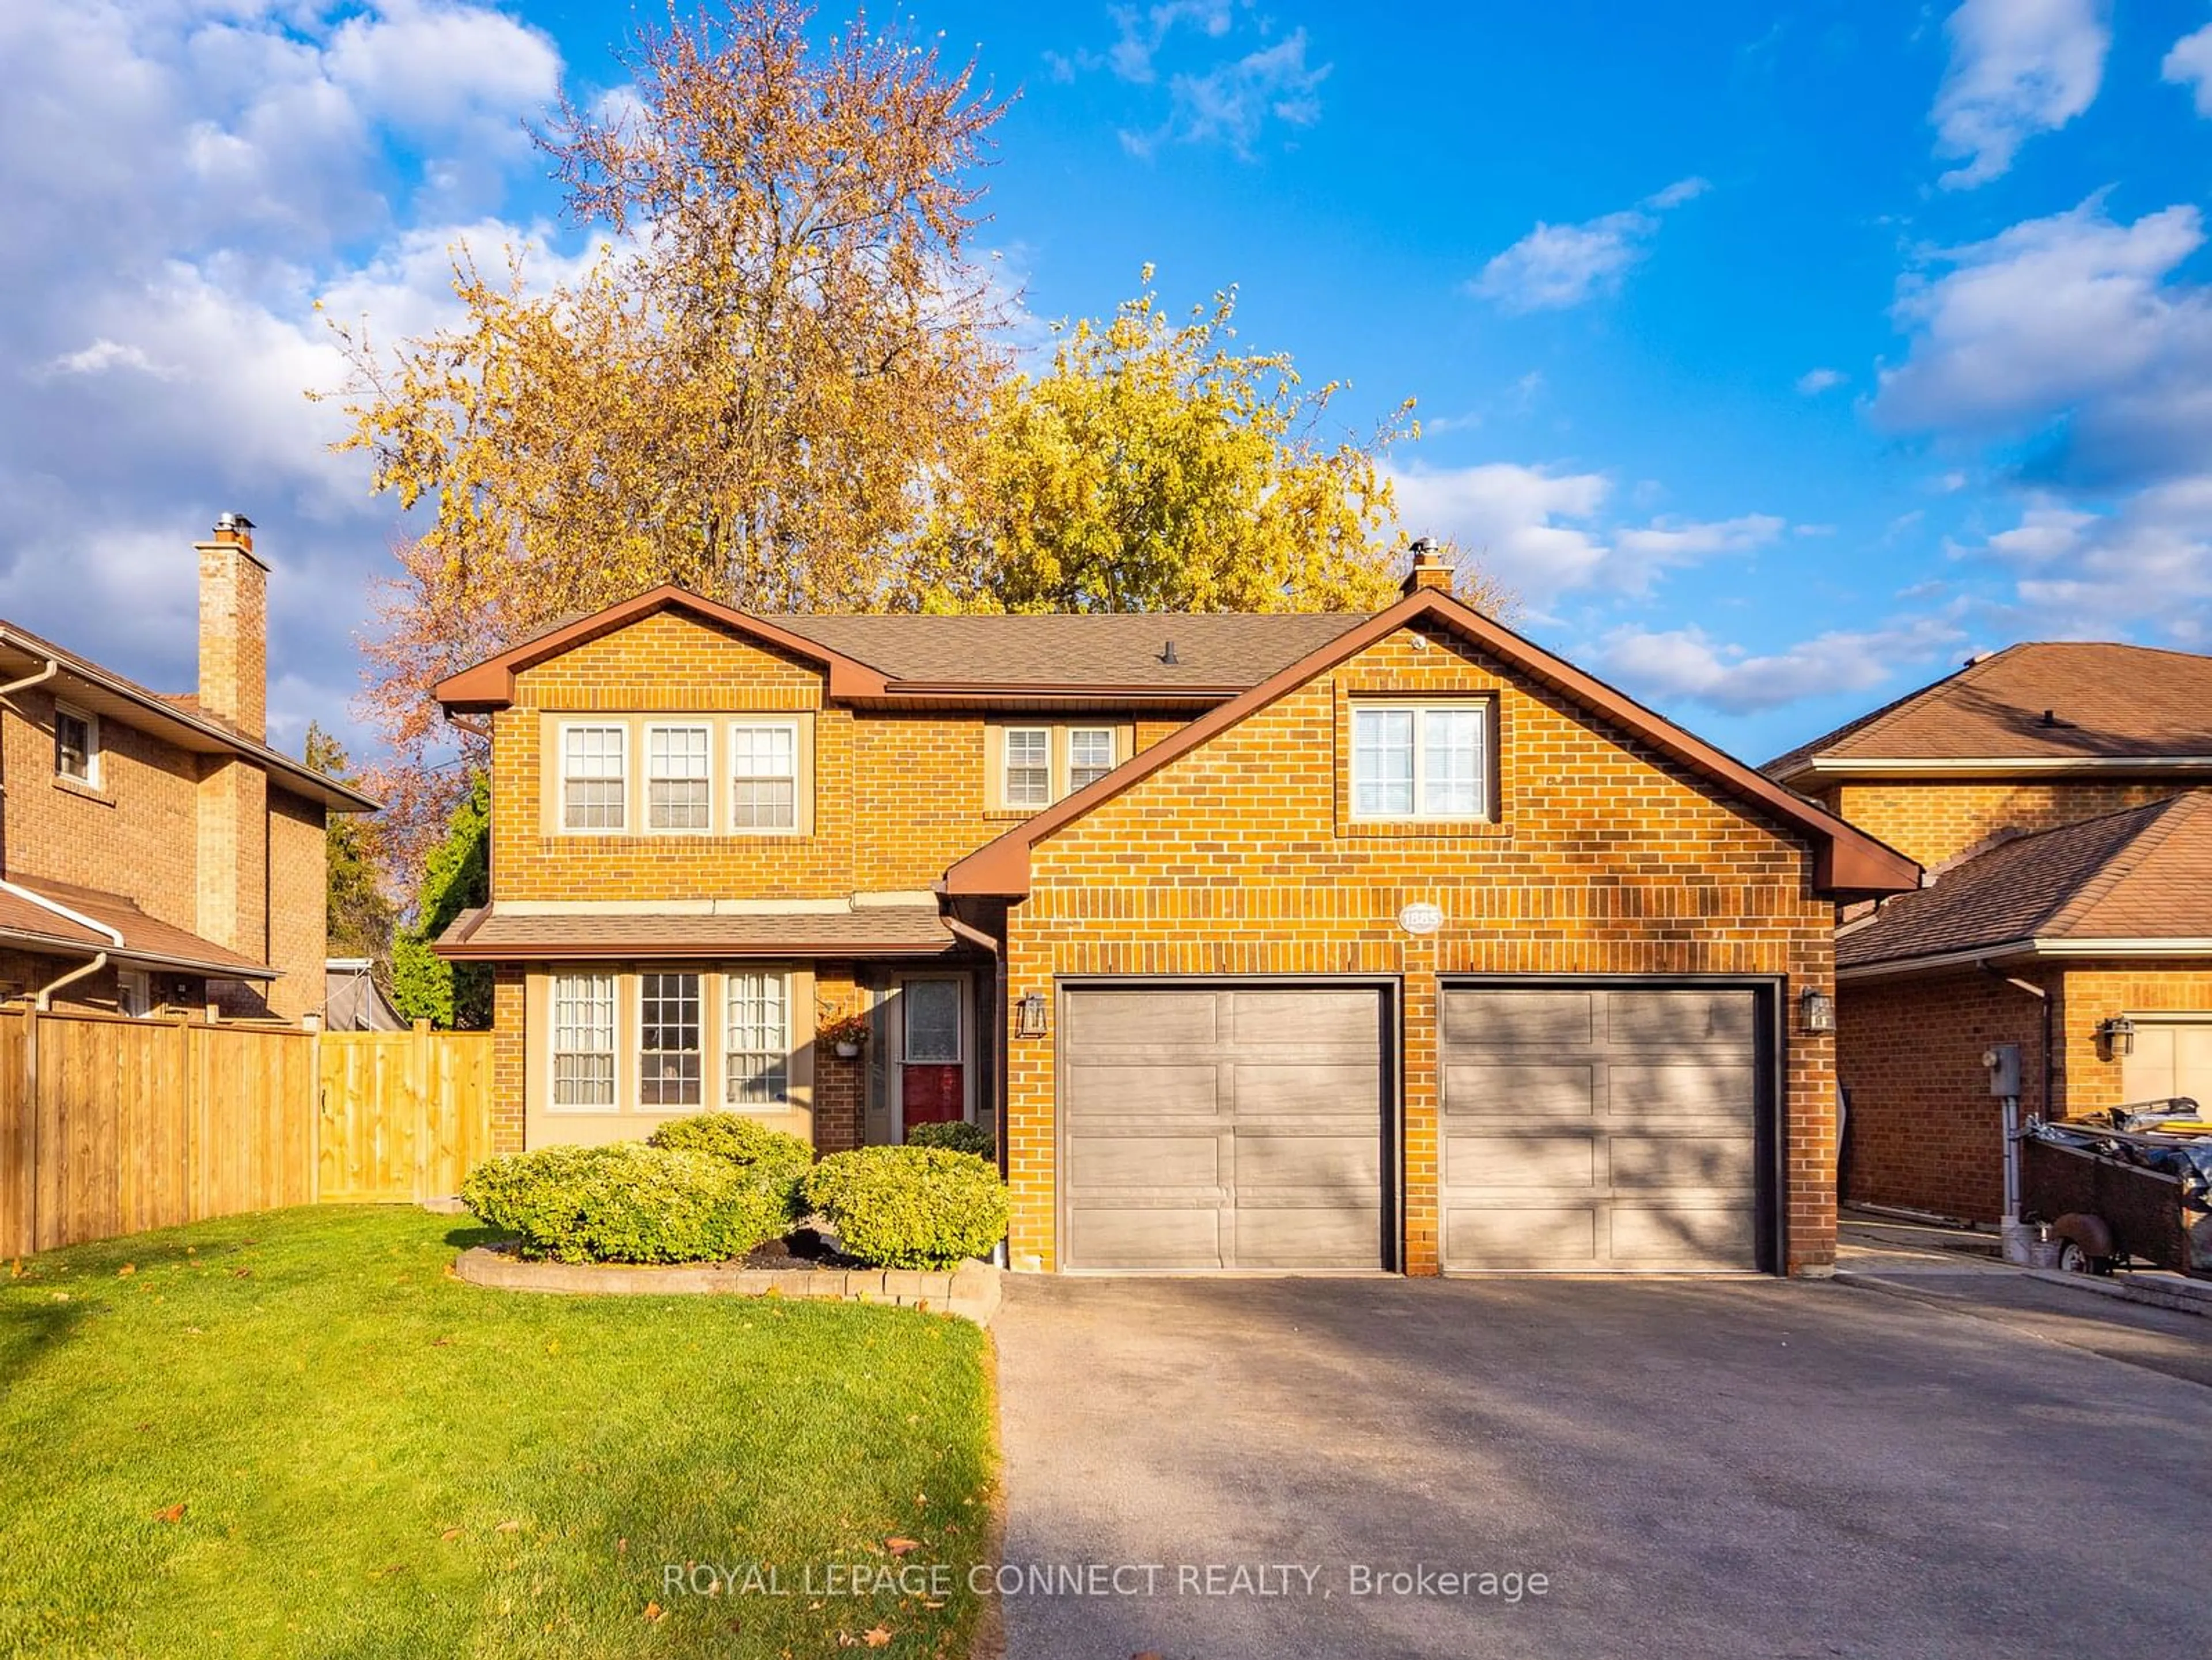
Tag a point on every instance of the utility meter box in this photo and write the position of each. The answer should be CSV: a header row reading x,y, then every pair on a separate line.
x,y
2003,1061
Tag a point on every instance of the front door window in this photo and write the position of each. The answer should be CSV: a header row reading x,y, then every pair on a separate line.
x,y
932,1086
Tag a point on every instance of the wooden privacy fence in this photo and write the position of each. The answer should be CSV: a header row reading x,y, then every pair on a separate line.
x,y
110,1125
403,1115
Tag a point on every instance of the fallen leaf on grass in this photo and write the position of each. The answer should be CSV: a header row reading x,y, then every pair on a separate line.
x,y
126,1270
441,1342
171,1512
928,1604
61,1297
15,1269
622,1547
654,1613
450,1533
508,1527
876,1636
900,1546
241,1274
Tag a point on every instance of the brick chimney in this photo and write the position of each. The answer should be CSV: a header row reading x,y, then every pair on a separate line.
x,y
1428,569
233,791
235,627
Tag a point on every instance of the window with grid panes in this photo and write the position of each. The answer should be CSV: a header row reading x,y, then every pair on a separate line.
x,y
584,1040
668,1041
764,776
1089,755
1028,767
592,777
755,1040
677,790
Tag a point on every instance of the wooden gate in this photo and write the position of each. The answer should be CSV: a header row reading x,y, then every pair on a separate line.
x,y
403,1115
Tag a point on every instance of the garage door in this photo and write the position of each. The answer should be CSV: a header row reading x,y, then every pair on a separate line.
x,y
2170,1058
1600,1129
1217,1128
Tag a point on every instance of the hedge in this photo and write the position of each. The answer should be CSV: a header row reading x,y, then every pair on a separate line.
x,y
630,1202
957,1135
910,1207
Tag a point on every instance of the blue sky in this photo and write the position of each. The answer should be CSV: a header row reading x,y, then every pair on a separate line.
x,y
1780,356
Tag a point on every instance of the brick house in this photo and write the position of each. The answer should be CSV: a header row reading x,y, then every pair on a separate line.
x,y
2056,792
1263,941
155,853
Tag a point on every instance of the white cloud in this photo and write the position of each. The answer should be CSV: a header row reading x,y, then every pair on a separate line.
x,y
184,179
2018,68
2189,65
2146,562
2071,317
1555,266
1545,532
1688,664
1145,29
1813,382
1233,101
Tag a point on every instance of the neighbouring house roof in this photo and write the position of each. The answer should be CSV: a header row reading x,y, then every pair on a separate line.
x,y
2125,879
175,718
2111,708
30,926
1846,861
494,933
890,658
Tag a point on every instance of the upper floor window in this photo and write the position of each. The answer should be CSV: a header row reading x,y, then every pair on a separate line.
x,y
1028,767
1089,755
594,777
677,792
1421,760
76,745
764,776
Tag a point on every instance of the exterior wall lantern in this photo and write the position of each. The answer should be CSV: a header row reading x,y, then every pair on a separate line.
x,y
2119,1034
1029,1020
1816,1010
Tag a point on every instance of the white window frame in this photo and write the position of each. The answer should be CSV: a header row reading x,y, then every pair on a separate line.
x,y
638,1051
612,1002
797,776
649,777
736,979
134,993
1007,735
621,729
91,778
1485,709
1113,754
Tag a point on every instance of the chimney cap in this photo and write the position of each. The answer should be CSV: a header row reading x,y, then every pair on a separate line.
x,y
233,524
1425,550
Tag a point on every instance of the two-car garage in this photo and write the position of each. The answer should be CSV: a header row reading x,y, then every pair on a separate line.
x,y
1595,1127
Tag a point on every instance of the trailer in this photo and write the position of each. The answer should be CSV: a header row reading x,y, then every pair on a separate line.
x,y
2112,1197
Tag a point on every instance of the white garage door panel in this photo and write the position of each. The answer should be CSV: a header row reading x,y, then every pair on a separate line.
x,y
1130,1091
1607,1129
1146,1237
1520,1092
2170,1058
1501,1161
1230,1128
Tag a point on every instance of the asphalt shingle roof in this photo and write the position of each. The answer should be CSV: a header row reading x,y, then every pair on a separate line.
x,y
2145,874
2107,702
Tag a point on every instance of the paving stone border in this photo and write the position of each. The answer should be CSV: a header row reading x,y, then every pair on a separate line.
x,y
970,1291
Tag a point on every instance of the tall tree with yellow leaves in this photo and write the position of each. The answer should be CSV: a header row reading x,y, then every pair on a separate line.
x,y
781,338
1154,466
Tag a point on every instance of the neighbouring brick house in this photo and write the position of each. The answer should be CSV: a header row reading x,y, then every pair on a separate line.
x,y
2056,792
1297,941
155,853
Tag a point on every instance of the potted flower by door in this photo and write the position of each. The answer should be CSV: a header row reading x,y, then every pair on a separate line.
x,y
846,1034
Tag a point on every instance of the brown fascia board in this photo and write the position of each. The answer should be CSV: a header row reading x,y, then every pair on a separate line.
x,y
1846,861
461,950
489,684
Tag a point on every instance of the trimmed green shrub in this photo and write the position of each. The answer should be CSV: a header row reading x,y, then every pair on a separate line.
x,y
957,1136
736,1139
629,1202
911,1208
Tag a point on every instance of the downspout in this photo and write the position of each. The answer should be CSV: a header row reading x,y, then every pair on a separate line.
x,y
43,998
2010,1227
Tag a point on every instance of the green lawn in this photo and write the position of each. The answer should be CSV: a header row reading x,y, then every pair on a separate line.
x,y
376,1459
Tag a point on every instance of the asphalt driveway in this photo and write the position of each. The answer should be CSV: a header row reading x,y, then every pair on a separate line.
x,y
1726,1467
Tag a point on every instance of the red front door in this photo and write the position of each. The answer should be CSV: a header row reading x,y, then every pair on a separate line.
x,y
932,1071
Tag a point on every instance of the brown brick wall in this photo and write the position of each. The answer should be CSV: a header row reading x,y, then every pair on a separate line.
x,y
509,1036
899,796
1924,1128
1608,859
2096,991
200,842
840,1086
1936,820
